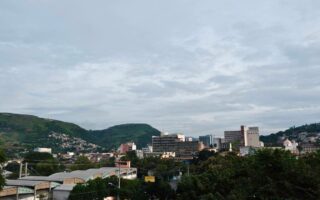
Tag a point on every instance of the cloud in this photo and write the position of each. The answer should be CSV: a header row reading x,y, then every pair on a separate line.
x,y
182,66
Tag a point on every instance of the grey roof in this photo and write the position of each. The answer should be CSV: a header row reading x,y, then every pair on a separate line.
x,y
64,187
82,174
41,178
26,183
9,187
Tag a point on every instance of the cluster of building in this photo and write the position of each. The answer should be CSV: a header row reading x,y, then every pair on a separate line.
x,y
59,185
185,148
180,147
300,148
67,142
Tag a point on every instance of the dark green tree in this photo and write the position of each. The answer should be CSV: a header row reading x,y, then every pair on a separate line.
x,y
43,164
2,160
82,163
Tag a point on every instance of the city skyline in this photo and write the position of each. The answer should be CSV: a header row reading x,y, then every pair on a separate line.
x,y
181,66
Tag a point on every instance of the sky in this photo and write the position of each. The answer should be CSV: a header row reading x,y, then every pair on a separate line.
x,y
190,66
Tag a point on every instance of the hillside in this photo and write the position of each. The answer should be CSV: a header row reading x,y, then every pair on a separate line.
x,y
300,134
19,132
141,134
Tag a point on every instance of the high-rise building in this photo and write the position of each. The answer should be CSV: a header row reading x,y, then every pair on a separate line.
x,y
251,137
187,150
206,140
176,143
234,136
244,137
165,142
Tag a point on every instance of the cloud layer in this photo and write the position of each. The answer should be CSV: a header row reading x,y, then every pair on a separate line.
x,y
196,67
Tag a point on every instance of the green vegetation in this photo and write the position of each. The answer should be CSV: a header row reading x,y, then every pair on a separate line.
x,y
267,175
141,134
82,163
291,133
42,164
130,189
19,132
2,160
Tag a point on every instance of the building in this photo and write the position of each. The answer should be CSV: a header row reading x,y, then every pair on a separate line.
x,y
43,150
291,146
248,150
206,140
59,185
31,189
216,143
129,146
234,136
148,149
187,150
248,137
176,143
251,137
309,148
165,142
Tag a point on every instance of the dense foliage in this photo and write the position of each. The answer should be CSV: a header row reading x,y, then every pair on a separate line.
x,y
163,169
2,160
141,134
269,174
130,189
82,163
43,164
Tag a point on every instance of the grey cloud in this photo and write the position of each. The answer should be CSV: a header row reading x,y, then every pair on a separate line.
x,y
182,66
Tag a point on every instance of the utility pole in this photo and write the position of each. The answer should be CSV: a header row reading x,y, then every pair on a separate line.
x,y
119,177
26,169
20,170
119,180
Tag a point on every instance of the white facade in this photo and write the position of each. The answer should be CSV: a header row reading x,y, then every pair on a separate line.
x,y
251,137
181,137
43,150
291,146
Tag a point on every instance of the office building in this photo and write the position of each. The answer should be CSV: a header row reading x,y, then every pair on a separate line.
x,y
234,136
176,143
164,142
206,140
248,137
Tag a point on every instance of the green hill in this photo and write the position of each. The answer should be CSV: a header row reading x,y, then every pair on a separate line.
x,y
18,132
274,139
141,134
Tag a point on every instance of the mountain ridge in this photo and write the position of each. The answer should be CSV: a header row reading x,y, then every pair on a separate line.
x,y
29,131
292,133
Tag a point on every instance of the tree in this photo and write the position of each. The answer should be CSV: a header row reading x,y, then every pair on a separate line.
x,y
82,163
269,174
42,164
2,160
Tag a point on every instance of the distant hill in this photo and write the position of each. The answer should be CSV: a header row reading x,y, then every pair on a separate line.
x,y
18,132
296,133
141,134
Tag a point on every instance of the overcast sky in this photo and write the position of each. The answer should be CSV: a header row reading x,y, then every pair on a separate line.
x,y
195,67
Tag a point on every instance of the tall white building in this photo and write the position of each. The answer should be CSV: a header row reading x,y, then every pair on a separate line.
x,y
251,137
